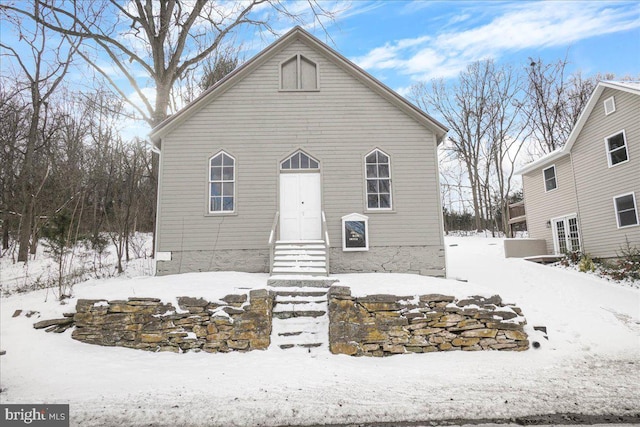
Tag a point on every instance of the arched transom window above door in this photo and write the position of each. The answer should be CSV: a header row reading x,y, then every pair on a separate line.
x,y
300,161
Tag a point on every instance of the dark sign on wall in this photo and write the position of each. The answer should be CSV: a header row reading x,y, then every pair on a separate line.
x,y
355,235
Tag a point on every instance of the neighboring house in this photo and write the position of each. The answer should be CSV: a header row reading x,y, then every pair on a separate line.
x,y
585,195
299,162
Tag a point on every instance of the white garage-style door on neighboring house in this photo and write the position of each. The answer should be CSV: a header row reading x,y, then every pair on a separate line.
x,y
300,198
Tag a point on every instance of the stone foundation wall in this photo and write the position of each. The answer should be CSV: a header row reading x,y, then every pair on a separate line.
x,y
244,260
234,323
383,325
424,260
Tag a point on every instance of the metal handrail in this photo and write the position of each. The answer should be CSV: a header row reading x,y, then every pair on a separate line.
x,y
325,231
272,240
274,228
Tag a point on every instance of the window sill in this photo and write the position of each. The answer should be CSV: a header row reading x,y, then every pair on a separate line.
x,y
218,214
620,227
618,164
379,211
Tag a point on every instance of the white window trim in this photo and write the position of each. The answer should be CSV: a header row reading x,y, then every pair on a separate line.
x,y
235,186
612,100
555,178
554,230
635,207
366,193
297,56
355,217
626,147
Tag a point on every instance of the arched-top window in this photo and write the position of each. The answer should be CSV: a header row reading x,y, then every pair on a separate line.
x,y
222,180
299,160
378,177
298,73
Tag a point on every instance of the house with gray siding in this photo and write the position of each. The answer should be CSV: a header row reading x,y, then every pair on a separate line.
x,y
299,162
585,195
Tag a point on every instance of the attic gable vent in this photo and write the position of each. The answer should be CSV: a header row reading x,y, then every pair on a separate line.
x,y
609,106
298,73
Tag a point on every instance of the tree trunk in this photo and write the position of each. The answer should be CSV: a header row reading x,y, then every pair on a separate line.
x,y
26,173
6,224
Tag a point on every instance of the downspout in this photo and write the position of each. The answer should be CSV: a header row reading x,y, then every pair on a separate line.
x,y
439,207
156,149
575,190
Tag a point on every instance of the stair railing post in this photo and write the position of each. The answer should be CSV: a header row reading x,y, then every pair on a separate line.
x,y
325,231
272,240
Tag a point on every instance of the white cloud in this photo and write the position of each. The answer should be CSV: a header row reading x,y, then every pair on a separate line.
x,y
518,26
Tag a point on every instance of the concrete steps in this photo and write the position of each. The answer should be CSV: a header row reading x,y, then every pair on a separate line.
x,y
300,319
306,257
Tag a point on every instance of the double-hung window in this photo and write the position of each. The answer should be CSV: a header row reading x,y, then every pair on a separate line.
x,y
616,146
550,182
378,177
626,210
222,182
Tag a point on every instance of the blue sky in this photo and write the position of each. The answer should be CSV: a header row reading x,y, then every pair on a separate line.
x,y
402,42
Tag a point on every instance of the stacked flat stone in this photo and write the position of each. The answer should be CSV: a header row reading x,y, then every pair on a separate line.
x,y
232,324
383,325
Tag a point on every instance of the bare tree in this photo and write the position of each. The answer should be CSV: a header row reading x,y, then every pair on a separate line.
x,y
214,68
483,109
13,133
160,40
507,136
43,61
465,108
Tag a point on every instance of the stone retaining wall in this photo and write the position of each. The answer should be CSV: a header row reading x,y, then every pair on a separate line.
x,y
146,323
382,325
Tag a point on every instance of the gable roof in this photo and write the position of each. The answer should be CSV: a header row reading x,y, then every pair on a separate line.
x,y
631,87
297,33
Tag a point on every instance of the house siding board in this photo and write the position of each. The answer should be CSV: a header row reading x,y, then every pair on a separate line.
x,y
542,206
338,125
597,184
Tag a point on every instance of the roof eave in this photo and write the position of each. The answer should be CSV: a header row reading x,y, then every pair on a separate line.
x,y
577,128
542,161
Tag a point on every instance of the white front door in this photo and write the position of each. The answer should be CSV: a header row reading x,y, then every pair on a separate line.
x,y
300,207
565,234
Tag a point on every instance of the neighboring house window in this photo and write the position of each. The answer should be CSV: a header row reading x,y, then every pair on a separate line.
x,y
300,160
378,177
616,148
566,237
298,73
550,182
626,210
609,105
222,180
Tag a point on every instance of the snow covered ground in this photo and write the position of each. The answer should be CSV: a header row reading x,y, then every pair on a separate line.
x,y
80,263
589,365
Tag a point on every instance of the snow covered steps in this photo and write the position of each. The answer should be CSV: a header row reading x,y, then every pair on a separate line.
x,y
300,319
307,257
